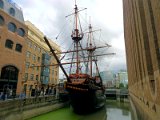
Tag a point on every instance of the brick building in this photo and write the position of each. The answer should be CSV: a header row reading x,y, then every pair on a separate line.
x,y
142,39
12,47
39,78
22,46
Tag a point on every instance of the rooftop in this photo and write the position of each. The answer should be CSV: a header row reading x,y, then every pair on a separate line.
x,y
14,4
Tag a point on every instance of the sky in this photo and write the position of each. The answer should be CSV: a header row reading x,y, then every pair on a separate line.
x,y
49,17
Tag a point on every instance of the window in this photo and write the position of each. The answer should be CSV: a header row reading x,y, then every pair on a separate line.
x,y
31,33
21,32
9,72
32,77
25,87
42,78
30,87
56,73
1,20
1,4
37,77
27,64
34,47
34,58
46,69
18,47
32,66
28,54
152,86
39,49
12,11
9,44
39,59
47,78
26,76
12,27
42,50
37,68
29,44
53,72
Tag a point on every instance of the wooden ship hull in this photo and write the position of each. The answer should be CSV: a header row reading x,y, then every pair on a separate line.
x,y
86,95
86,102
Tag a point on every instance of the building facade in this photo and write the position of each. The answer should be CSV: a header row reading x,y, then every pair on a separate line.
x,y
122,77
142,39
12,48
39,79
108,78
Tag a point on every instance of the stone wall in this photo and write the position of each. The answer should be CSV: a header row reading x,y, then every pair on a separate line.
x,y
21,109
144,110
142,41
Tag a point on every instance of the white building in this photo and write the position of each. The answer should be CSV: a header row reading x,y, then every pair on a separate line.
x,y
108,78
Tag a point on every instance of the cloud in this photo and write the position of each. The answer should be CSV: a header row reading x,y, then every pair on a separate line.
x,y
107,15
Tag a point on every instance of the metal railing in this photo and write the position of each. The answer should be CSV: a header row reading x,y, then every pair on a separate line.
x,y
19,105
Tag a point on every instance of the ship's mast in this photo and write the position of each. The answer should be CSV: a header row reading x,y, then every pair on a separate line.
x,y
76,36
77,32
90,48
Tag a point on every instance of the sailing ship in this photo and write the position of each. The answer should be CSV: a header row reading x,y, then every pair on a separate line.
x,y
86,92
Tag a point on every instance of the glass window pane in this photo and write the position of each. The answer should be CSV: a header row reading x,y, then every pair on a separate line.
x,y
37,77
33,66
32,77
28,54
12,27
26,76
12,11
30,44
34,58
1,20
19,47
9,44
21,32
39,59
1,4
27,64
34,47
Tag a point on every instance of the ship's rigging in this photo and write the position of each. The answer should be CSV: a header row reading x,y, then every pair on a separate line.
x,y
86,91
81,56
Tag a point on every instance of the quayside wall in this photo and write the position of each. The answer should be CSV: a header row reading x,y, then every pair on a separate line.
x,y
144,110
22,109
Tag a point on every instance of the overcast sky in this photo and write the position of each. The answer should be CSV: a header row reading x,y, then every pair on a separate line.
x,y
107,15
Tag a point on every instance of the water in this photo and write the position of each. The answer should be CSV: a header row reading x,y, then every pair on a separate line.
x,y
113,111
118,110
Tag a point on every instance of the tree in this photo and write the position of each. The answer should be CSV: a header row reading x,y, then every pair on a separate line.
x,y
121,85
127,86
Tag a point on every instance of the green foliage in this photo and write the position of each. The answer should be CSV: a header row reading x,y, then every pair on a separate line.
x,y
121,85
127,86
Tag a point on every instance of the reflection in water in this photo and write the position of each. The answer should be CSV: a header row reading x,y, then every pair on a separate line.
x,y
113,111
118,110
